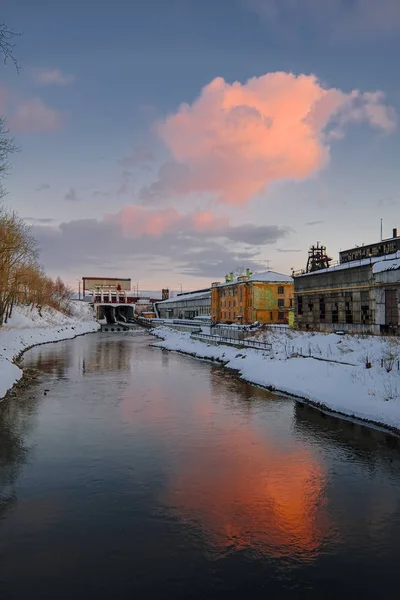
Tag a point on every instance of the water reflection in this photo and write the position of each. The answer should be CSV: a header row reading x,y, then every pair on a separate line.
x,y
17,417
203,483
249,493
111,354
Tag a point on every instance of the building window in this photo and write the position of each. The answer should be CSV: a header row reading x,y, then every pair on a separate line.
x,y
281,289
335,313
322,313
349,313
241,293
281,316
271,316
300,305
291,302
281,302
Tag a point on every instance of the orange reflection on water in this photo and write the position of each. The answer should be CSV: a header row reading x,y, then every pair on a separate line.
x,y
247,493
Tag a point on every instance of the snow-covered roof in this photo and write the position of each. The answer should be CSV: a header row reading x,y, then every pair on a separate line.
x,y
356,263
386,265
269,276
184,297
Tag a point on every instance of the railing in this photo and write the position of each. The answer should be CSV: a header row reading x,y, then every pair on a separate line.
x,y
231,342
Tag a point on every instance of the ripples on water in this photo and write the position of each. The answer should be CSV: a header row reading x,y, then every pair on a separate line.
x,y
149,473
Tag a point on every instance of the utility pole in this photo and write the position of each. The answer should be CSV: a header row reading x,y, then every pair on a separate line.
x,y
79,288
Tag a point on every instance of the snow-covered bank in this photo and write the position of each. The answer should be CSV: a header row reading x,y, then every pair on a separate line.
x,y
325,369
28,328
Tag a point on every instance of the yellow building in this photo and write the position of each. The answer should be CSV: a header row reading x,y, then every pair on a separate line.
x,y
265,297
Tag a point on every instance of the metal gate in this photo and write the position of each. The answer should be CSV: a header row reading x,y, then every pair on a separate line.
x,y
391,308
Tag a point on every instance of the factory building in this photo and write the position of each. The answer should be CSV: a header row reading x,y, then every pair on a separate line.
x,y
185,306
358,295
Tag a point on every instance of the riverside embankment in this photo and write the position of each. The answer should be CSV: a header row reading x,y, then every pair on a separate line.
x,y
29,327
328,370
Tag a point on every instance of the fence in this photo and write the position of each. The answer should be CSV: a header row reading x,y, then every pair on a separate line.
x,y
217,339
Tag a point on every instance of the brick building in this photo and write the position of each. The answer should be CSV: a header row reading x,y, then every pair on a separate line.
x,y
264,297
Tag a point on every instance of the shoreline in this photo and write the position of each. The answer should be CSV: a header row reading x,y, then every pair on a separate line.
x,y
14,342
317,405
26,376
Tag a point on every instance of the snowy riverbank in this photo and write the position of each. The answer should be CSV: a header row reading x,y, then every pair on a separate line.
x,y
325,369
27,328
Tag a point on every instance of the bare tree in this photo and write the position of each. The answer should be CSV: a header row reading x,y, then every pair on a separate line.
x,y
6,143
6,44
7,147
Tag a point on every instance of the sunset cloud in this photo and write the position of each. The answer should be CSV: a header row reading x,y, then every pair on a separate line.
x,y
235,139
136,221
34,116
198,244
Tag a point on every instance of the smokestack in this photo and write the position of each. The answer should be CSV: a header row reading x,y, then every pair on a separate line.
x,y
395,232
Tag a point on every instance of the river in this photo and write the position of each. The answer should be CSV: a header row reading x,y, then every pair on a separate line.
x,y
130,472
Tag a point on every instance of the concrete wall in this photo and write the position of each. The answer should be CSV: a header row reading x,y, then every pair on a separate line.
x,y
337,299
114,312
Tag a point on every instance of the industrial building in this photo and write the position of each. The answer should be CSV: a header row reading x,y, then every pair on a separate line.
x,y
382,248
185,305
92,284
358,295
264,297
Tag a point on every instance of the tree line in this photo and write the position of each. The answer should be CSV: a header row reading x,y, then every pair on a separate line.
x,y
22,279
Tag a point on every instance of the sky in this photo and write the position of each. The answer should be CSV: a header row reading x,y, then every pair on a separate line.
x,y
174,142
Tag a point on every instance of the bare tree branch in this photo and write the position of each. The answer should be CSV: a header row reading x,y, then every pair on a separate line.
x,y
7,147
6,44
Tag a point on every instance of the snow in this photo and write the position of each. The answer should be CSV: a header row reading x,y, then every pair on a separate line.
x,y
325,369
28,328
386,265
183,297
271,276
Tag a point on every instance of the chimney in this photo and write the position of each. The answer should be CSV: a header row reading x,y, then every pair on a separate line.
x,y
231,277
395,232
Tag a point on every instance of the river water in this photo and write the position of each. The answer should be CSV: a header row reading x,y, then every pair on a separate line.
x,y
130,472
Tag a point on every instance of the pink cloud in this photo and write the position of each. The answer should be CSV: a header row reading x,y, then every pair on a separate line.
x,y
236,139
136,221
34,116
53,76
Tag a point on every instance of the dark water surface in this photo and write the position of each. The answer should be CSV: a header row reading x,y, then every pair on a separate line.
x,y
145,474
